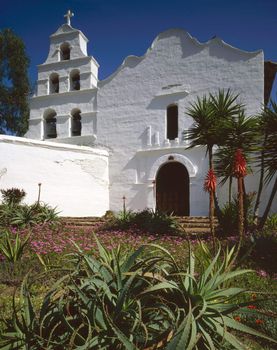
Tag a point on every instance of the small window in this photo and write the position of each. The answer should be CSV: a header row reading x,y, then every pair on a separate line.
x,y
76,125
50,125
65,52
172,122
75,80
54,84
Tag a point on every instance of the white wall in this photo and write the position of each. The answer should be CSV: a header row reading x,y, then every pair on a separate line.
x,y
176,69
73,178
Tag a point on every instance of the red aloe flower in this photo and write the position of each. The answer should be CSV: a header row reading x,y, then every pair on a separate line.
x,y
210,182
239,164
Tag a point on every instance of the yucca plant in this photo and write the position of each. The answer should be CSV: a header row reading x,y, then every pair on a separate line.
x,y
12,248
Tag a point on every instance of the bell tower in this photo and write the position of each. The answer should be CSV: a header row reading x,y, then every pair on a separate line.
x,y
64,104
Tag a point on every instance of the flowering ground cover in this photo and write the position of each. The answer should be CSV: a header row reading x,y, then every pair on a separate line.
x,y
53,243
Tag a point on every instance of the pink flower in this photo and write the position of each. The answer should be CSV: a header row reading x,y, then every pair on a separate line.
x,y
262,273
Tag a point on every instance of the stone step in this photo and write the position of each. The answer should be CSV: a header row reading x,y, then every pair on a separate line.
x,y
190,224
196,230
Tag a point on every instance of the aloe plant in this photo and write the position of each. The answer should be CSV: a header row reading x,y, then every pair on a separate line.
x,y
12,248
141,300
205,304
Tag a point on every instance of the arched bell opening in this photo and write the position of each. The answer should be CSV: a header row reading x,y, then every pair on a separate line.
x,y
65,52
50,124
76,122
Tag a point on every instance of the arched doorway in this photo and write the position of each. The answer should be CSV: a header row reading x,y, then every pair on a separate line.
x,y
172,189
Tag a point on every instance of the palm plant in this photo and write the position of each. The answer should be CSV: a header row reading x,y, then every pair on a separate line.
x,y
204,129
241,142
211,116
241,132
267,158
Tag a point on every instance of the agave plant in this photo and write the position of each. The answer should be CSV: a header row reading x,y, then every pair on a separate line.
x,y
12,248
205,305
142,300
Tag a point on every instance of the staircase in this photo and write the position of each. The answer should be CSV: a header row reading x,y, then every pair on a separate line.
x,y
89,221
193,225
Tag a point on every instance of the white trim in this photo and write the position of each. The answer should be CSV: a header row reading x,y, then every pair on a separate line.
x,y
53,145
191,168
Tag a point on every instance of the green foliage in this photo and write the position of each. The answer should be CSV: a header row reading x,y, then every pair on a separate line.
x,y
268,123
27,215
271,223
155,221
11,247
262,247
147,219
12,196
239,132
123,219
139,300
14,84
228,215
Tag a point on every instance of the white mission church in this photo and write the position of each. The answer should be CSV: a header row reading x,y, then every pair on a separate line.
x,y
90,142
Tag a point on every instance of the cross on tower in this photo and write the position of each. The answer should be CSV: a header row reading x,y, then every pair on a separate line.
x,y
68,15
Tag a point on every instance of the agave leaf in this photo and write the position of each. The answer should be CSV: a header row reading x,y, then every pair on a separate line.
x,y
231,339
182,338
207,273
28,310
122,296
230,322
226,293
119,335
166,252
131,259
104,255
208,338
160,286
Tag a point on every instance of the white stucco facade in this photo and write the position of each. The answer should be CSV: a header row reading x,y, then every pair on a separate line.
x,y
126,116
73,178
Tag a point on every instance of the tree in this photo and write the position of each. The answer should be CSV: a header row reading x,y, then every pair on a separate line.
x,y
241,133
14,84
269,155
211,115
239,171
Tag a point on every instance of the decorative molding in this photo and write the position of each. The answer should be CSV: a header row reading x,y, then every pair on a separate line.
x,y
71,92
191,168
53,145
67,62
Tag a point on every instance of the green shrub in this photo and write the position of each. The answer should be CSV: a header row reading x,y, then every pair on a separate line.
x,y
12,196
147,220
228,215
155,222
271,223
27,215
263,250
12,247
136,301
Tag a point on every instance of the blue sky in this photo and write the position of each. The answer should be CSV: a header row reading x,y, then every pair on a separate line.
x,y
118,28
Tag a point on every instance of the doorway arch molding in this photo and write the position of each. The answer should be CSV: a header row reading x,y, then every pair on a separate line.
x,y
175,157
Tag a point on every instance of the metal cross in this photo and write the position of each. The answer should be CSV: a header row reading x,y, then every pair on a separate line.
x,y
68,15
